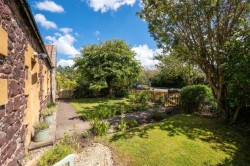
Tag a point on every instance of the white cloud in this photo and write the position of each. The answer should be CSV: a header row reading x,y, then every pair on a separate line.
x,y
146,55
64,62
105,5
97,33
41,19
66,30
50,6
64,43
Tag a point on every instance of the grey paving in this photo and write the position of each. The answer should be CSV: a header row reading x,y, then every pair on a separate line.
x,y
68,121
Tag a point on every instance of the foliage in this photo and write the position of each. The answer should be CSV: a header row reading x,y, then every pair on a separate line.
x,y
157,115
171,67
112,62
98,127
162,80
51,104
199,140
147,76
66,146
41,126
48,111
54,155
122,126
131,123
194,96
198,32
237,73
143,97
66,78
86,133
101,112
161,101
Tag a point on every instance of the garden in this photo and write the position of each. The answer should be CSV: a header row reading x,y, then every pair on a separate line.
x,y
200,117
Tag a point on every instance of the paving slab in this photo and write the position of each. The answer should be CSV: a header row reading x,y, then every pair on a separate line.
x,y
68,121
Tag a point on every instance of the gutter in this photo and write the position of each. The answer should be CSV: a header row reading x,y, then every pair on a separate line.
x,y
31,19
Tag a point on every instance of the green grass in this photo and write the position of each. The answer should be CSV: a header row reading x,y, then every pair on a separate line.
x,y
181,140
90,107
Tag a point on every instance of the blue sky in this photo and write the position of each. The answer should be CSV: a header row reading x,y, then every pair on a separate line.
x,y
70,24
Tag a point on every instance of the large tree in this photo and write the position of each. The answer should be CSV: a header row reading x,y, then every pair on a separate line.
x,y
112,61
199,30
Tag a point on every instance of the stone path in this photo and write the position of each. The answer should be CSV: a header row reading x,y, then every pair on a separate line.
x,y
68,121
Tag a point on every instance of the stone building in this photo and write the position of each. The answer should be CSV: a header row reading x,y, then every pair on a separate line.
x,y
27,78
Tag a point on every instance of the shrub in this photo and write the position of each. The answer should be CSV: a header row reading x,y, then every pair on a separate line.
x,y
85,134
41,126
157,116
143,97
131,123
161,101
48,111
98,127
193,97
51,104
66,146
122,126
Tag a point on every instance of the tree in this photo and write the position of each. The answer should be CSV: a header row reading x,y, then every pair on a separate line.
x,y
172,67
112,61
66,78
147,75
198,31
237,73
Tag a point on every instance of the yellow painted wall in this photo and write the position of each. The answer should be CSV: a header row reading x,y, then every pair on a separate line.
x,y
3,91
3,42
3,52
32,89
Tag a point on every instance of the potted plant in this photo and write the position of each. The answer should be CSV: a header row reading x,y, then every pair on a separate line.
x,y
48,113
41,131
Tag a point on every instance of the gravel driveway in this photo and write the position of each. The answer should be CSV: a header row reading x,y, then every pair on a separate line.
x,y
94,155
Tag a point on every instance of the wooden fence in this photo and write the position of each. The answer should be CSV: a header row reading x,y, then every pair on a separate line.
x,y
171,97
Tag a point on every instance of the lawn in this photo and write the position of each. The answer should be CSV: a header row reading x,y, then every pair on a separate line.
x,y
86,107
180,140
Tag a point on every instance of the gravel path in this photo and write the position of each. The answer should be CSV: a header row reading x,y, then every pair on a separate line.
x,y
94,155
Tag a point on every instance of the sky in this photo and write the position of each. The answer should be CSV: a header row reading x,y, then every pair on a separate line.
x,y
71,24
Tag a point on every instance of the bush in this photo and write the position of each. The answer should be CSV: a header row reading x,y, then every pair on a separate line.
x,y
48,111
131,123
51,104
122,126
193,97
41,126
99,128
157,116
161,101
122,92
85,134
143,97
66,146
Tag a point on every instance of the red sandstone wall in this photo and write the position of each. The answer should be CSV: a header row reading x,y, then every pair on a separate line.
x,y
12,130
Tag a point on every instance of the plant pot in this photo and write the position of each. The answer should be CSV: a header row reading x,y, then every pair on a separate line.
x,y
41,135
49,119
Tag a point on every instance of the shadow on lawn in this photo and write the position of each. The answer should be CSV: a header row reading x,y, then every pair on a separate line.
x,y
221,137
103,110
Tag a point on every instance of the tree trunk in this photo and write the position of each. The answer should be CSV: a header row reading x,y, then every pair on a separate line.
x,y
220,93
236,114
109,87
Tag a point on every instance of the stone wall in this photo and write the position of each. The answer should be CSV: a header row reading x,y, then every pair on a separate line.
x,y
14,21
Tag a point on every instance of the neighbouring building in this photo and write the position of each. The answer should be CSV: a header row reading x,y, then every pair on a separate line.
x,y
27,78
